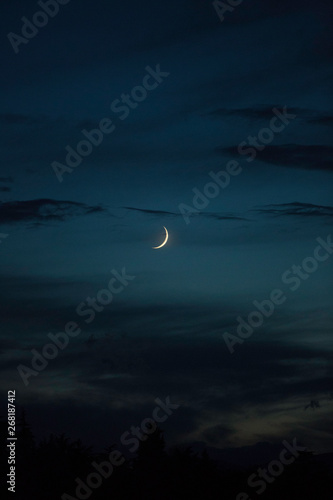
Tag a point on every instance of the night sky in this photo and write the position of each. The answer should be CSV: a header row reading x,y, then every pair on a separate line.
x,y
64,236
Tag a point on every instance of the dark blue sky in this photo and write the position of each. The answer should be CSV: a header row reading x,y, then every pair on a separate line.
x,y
163,334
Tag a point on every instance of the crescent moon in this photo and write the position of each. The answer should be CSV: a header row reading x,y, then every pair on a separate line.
x,y
164,242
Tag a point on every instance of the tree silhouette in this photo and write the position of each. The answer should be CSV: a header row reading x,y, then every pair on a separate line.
x,y
151,466
48,470
26,456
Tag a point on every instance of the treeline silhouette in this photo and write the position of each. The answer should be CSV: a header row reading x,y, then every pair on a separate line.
x,y
47,470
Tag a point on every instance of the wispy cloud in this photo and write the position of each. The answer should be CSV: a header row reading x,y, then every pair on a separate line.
x,y
308,157
296,208
322,120
253,113
264,112
153,212
43,211
209,215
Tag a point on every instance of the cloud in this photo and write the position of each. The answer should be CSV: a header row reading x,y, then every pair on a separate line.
x,y
130,346
312,157
264,112
6,179
217,433
209,215
43,211
259,113
322,120
148,211
307,157
299,209
4,189
220,216
14,118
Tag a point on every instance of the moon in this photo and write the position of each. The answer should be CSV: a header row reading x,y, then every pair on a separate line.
x,y
164,242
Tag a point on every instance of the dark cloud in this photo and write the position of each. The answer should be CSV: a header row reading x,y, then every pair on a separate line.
x,y
209,215
8,345
312,157
153,212
307,157
204,378
6,179
253,113
129,350
255,11
5,189
13,118
217,433
322,120
219,216
266,113
43,211
299,209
